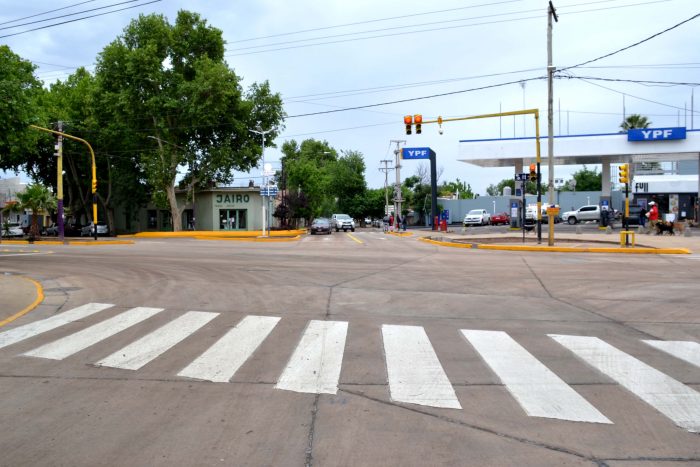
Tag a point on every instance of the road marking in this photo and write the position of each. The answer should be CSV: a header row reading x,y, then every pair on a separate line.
x,y
74,343
149,347
415,373
685,350
355,238
315,365
221,361
39,298
537,389
670,397
38,327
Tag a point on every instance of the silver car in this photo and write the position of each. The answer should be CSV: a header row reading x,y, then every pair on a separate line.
x,y
102,230
12,230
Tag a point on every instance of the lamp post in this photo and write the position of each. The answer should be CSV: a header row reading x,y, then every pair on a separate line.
x,y
194,187
262,133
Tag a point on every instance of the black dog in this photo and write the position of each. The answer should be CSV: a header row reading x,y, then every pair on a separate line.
x,y
662,227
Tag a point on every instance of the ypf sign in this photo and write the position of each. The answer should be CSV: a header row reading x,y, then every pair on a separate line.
x,y
417,153
655,134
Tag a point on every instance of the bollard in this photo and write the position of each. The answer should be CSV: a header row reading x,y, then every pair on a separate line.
x,y
579,231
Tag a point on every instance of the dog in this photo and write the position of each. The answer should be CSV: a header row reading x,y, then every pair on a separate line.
x,y
680,226
662,227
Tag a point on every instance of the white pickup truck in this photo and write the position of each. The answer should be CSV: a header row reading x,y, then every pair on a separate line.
x,y
342,222
584,213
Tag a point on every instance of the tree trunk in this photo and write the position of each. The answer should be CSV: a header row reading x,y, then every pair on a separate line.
x,y
175,211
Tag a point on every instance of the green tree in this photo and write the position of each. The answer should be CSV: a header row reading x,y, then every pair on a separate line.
x,y
170,82
449,189
588,180
634,121
36,198
19,94
497,190
347,183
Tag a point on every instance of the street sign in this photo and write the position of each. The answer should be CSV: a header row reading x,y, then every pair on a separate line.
x,y
268,191
522,177
417,153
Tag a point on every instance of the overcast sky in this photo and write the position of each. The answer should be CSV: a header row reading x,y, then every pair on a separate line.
x,y
332,54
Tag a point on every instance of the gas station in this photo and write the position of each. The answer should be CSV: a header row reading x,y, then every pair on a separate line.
x,y
676,194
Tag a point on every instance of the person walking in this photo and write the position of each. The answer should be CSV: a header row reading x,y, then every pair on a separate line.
x,y
391,223
653,215
643,217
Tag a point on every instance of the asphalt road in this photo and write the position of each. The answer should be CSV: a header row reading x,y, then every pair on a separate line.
x,y
350,349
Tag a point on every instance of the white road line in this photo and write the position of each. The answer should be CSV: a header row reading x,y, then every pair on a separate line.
x,y
670,397
38,327
221,361
537,389
69,345
415,373
685,350
149,347
315,365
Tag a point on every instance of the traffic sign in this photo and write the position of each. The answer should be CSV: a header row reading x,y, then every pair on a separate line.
x,y
417,153
268,191
522,177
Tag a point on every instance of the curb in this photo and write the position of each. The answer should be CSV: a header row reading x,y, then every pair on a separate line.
x,y
34,304
69,242
554,249
250,239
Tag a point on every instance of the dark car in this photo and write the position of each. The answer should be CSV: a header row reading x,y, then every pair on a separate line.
x,y
320,225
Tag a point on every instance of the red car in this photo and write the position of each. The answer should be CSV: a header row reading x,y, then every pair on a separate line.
x,y
500,218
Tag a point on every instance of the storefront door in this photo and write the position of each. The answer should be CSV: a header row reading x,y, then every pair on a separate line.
x,y
233,219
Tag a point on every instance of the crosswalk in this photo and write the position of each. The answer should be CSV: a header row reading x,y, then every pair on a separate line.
x,y
414,372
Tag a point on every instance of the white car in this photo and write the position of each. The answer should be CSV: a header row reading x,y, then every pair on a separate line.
x,y
12,230
477,217
584,213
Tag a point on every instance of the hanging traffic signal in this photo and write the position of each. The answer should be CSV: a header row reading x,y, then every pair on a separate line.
x,y
408,120
624,173
418,119
533,172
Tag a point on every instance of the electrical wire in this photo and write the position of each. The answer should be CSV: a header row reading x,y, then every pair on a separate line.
x,y
68,14
636,81
47,12
79,19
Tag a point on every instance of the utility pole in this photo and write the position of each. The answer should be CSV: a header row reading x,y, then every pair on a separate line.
x,y
59,183
386,170
263,185
551,13
397,191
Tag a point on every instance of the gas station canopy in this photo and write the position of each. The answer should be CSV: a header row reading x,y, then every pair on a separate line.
x,y
654,146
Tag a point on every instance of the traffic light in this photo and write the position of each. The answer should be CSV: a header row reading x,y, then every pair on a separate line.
x,y
624,173
408,120
533,172
94,186
418,119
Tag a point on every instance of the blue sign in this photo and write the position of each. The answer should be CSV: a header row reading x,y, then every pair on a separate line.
x,y
417,153
522,177
655,134
604,202
268,191
513,205
445,215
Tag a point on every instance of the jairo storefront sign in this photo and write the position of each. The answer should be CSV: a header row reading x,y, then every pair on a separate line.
x,y
231,198
655,134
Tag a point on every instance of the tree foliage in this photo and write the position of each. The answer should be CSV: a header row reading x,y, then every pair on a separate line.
x,y
36,198
634,121
588,180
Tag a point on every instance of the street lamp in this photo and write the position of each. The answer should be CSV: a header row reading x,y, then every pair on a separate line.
x,y
262,133
194,188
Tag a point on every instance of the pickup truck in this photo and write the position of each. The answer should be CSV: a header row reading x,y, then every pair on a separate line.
x,y
477,217
342,221
584,213
531,214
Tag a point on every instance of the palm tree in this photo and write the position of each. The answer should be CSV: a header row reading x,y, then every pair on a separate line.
x,y
635,121
11,207
36,198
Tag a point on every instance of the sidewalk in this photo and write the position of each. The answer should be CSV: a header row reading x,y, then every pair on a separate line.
x,y
19,295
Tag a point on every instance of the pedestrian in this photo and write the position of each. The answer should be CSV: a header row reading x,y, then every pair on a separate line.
x,y
403,223
643,217
653,215
391,223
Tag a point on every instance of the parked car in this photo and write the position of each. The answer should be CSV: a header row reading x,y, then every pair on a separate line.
x,y
51,231
320,225
584,213
342,221
102,230
12,230
72,229
500,218
531,214
477,217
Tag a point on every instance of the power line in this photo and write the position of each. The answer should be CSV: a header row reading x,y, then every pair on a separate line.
x,y
69,14
633,45
47,12
636,81
79,19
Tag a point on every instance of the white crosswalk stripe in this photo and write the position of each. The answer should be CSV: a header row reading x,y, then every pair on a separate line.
x,y
69,345
146,349
39,327
415,373
537,389
315,365
672,398
688,351
221,361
